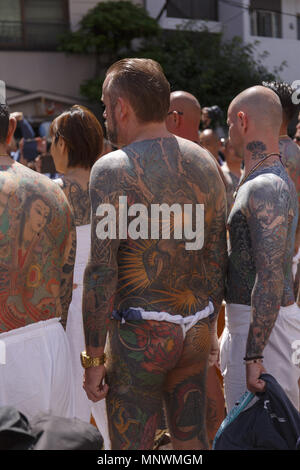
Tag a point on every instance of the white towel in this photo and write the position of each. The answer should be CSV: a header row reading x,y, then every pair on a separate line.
x,y
37,375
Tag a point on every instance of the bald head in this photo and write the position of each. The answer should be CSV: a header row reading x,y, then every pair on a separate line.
x,y
187,104
184,115
255,116
210,140
262,107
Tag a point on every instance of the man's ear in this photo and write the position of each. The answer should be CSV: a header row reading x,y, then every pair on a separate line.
x,y
176,119
242,120
122,108
11,129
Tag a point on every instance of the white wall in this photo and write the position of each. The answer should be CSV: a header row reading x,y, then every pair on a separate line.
x,y
50,71
78,8
232,19
286,48
282,49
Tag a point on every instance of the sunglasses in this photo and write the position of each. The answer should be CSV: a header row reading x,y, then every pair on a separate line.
x,y
174,111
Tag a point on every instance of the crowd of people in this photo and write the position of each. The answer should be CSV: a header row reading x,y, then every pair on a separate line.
x,y
129,329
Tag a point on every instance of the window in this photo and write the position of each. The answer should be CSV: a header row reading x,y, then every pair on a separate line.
x,y
32,24
193,9
265,17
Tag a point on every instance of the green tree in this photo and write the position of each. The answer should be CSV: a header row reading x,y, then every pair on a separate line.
x,y
210,68
193,60
107,32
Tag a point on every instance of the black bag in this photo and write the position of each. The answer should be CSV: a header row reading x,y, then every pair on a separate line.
x,y
272,423
46,432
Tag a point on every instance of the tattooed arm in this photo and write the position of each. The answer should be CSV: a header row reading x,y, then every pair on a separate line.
x,y
267,215
66,285
291,158
215,254
101,273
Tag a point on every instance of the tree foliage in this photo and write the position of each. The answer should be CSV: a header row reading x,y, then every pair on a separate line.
x,y
197,61
204,64
109,28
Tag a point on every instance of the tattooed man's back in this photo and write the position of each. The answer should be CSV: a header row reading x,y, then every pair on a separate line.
x,y
37,242
156,288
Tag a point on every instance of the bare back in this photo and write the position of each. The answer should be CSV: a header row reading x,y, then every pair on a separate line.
x,y
156,273
37,244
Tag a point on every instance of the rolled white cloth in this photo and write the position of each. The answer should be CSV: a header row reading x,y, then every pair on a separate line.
x,y
186,323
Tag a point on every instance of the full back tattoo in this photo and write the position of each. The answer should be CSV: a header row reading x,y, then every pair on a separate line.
x,y
159,275
37,248
147,359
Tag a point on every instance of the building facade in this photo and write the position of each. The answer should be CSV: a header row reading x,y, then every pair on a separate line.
x,y
273,25
36,73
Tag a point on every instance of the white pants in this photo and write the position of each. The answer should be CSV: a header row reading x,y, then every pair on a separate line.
x,y
280,359
36,373
295,263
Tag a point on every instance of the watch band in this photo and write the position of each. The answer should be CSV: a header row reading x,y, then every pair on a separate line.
x,y
88,361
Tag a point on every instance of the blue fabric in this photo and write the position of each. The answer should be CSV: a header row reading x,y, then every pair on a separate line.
x,y
272,423
26,129
127,315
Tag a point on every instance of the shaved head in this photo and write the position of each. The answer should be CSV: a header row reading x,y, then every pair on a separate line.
x,y
210,140
261,105
184,115
186,103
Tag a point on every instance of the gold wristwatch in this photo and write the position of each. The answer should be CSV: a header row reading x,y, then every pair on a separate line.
x,y
88,361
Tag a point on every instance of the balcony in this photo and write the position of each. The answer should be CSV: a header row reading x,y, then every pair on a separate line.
x,y
31,36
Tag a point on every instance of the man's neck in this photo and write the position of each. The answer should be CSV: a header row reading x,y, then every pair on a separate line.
x,y
234,167
189,134
283,130
3,150
5,158
257,149
148,131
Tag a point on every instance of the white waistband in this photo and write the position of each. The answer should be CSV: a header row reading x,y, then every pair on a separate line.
x,y
238,316
186,323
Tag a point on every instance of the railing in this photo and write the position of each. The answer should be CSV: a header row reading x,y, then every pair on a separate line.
x,y
16,35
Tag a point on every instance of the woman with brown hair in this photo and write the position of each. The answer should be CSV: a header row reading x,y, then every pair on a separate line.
x,y
77,142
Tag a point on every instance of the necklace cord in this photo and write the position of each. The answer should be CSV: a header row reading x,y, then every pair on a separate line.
x,y
254,168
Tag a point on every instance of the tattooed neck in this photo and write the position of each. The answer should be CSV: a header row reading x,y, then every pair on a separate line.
x,y
257,149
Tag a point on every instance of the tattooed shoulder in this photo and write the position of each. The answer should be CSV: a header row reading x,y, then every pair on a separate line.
x,y
78,197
